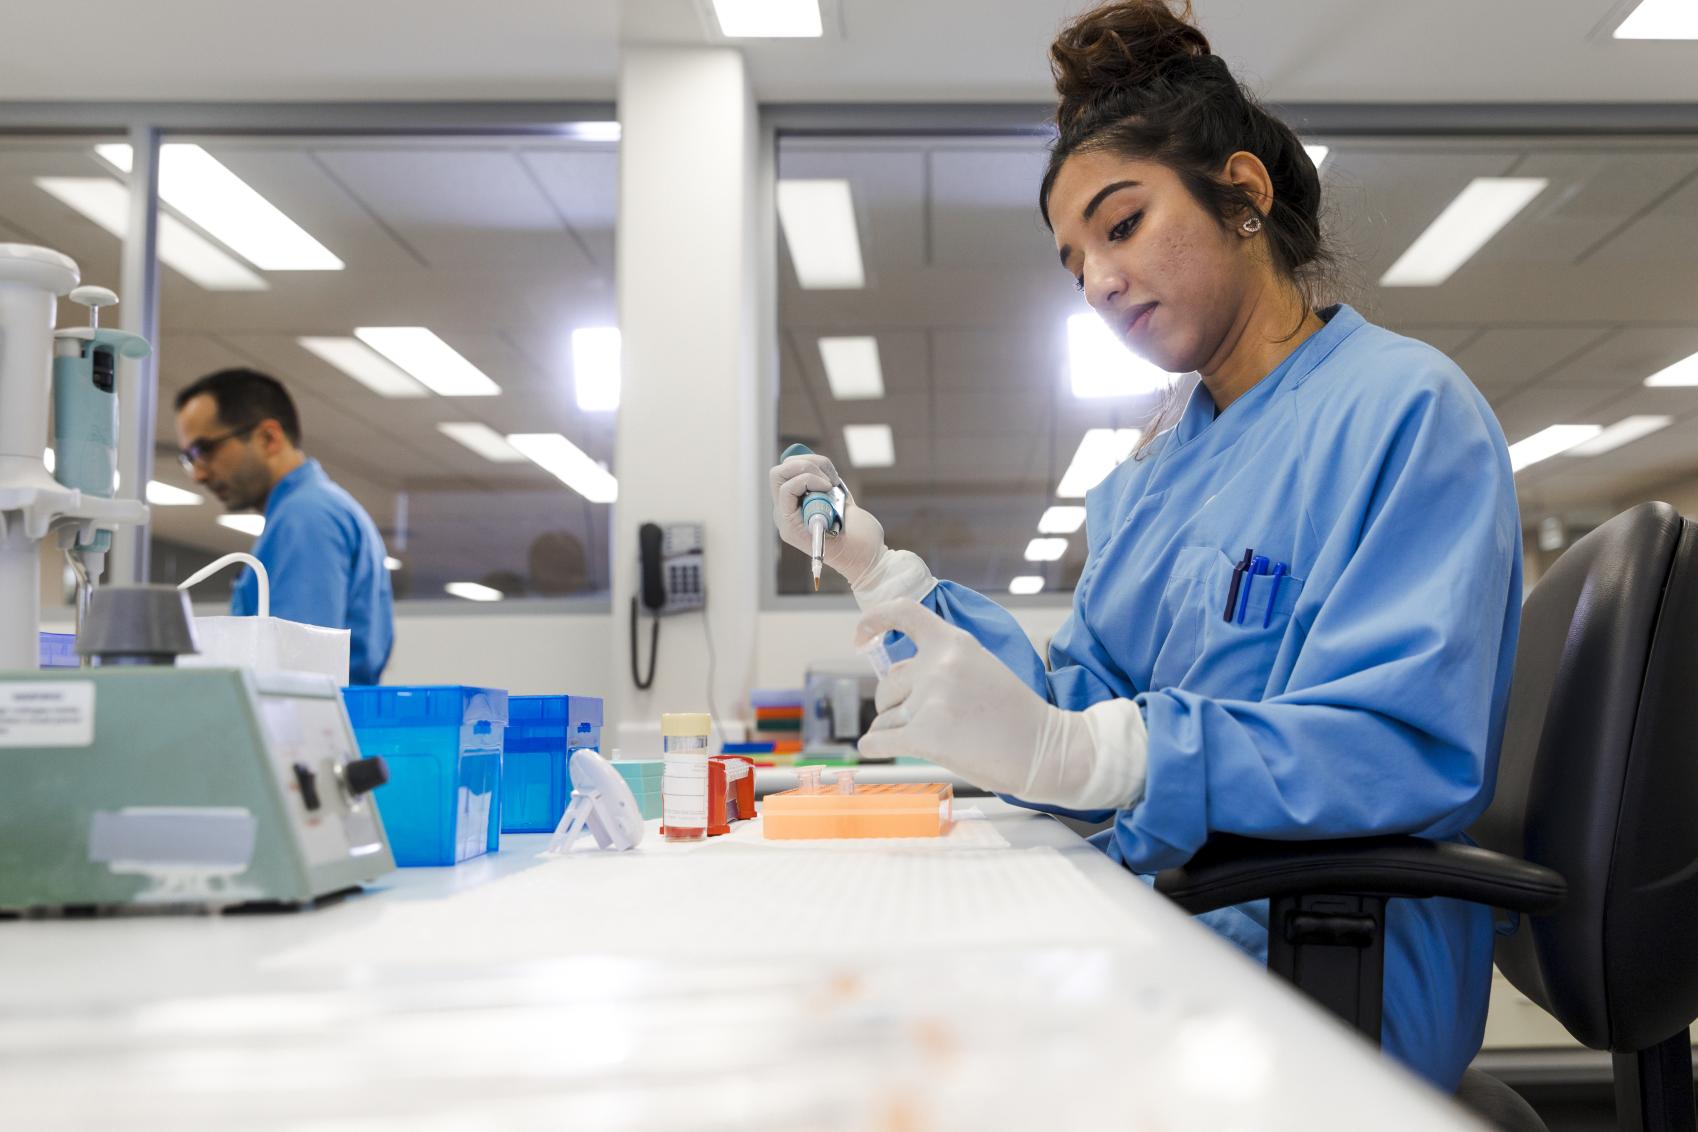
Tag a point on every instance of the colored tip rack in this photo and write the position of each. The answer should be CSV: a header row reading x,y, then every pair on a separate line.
x,y
908,809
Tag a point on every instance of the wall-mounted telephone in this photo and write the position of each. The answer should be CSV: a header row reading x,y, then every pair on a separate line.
x,y
671,580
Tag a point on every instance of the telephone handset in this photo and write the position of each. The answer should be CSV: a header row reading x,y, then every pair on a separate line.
x,y
670,580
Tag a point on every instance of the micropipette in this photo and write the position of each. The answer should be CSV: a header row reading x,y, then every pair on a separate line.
x,y
822,512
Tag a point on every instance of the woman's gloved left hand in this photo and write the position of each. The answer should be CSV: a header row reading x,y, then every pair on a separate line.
x,y
957,705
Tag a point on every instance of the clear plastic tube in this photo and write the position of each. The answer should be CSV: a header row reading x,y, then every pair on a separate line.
x,y
684,782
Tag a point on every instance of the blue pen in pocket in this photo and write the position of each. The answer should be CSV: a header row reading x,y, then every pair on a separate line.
x,y
1258,566
1279,571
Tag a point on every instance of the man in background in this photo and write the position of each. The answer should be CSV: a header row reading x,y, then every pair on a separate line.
x,y
239,437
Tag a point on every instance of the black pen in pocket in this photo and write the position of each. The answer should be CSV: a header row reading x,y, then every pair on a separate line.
x,y
1237,580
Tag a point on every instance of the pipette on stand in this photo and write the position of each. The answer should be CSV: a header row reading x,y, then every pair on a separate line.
x,y
822,513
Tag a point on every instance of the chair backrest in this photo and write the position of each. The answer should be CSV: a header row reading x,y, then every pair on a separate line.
x,y
1598,780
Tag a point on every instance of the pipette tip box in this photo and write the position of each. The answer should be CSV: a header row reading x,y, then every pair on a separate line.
x,y
443,744
542,732
904,809
643,776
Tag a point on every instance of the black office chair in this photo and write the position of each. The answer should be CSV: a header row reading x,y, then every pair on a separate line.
x,y
1597,783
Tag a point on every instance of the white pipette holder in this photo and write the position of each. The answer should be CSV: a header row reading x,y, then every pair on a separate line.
x,y
601,805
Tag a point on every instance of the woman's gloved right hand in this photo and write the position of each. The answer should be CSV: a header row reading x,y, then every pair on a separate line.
x,y
853,551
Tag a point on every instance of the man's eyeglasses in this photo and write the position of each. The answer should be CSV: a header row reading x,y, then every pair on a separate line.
x,y
200,451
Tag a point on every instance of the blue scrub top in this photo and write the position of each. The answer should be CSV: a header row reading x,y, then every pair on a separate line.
x,y
324,558
1363,695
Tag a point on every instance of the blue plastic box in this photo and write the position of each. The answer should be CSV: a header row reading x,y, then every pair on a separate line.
x,y
59,650
442,804
542,732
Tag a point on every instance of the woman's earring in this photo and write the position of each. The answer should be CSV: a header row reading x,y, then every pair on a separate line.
x,y
1252,225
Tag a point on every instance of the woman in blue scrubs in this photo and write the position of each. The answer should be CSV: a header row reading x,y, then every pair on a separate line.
x,y
1298,612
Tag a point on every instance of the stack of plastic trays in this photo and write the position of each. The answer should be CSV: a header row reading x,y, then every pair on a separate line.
x,y
443,744
778,720
59,650
542,731
643,777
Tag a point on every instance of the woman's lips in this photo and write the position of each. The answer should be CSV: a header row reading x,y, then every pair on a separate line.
x,y
1140,318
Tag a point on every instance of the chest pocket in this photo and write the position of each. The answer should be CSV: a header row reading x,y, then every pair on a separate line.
x,y
1204,652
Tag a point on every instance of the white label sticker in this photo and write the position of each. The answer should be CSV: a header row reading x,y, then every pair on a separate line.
x,y
47,714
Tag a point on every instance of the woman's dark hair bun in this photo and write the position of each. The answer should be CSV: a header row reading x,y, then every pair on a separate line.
x,y
1118,49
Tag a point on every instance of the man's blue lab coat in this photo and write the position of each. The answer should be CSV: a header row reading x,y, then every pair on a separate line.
x,y
324,557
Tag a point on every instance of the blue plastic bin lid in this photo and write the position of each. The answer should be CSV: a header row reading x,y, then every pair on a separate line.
x,y
414,705
536,709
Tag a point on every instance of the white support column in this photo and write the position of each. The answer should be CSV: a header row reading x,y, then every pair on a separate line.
x,y
688,449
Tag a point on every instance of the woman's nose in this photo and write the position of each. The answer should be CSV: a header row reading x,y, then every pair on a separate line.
x,y
1103,289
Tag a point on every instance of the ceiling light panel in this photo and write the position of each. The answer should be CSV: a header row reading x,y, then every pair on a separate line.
x,y
1465,226
595,368
1098,454
1624,431
181,248
1545,443
365,366
1683,372
769,19
852,368
473,591
228,209
1061,520
870,445
248,524
818,218
435,363
567,463
483,440
1660,19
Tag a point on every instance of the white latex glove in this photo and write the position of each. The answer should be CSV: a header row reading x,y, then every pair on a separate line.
x,y
875,573
957,705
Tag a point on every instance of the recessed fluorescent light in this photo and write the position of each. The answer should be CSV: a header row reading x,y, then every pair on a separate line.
x,y
852,369
247,524
227,208
1099,453
1317,154
181,248
1045,549
472,591
1545,443
594,131
421,353
768,19
870,445
1061,520
365,366
1624,431
1660,19
483,440
818,218
1477,214
391,563
1026,584
1102,366
595,368
567,463
166,495
1683,372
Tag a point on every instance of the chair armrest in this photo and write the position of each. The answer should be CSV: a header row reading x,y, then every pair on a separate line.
x,y
1231,870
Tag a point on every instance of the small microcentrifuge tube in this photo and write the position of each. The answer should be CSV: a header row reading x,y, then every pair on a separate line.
x,y
878,655
808,777
846,781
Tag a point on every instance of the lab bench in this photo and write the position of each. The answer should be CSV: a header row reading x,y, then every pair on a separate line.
x,y
1006,976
